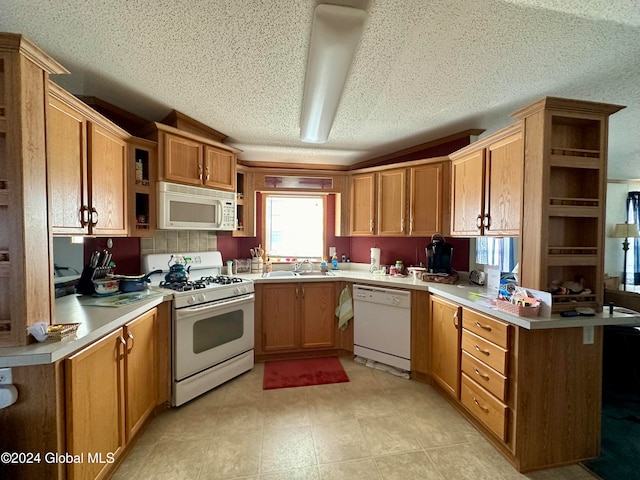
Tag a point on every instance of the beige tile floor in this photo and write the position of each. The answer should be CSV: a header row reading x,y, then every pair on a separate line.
x,y
377,426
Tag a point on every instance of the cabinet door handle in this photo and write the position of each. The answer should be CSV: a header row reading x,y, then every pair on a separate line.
x,y
479,222
480,374
411,225
486,222
487,353
200,172
371,225
122,342
130,336
455,319
302,292
207,173
484,409
85,216
484,327
297,292
402,224
94,222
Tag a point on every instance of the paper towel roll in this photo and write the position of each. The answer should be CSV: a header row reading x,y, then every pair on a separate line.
x,y
8,395
375,260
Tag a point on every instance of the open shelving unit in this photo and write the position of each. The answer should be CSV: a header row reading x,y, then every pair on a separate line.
x,y
5,265
245,203
143,157
566,143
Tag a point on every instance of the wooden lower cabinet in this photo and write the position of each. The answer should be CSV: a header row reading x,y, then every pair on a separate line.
x,y
296,317
536,394
445,345
420,335
280,317
111,389
95,406
141,382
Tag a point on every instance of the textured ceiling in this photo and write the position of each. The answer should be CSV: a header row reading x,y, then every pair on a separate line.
x,y
422,70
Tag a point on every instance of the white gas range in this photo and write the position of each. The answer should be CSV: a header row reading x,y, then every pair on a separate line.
x,y
212,321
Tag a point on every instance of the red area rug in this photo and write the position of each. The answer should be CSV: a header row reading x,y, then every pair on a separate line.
x,y
303,372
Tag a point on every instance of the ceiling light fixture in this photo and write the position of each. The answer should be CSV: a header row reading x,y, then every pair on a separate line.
x,y
335,34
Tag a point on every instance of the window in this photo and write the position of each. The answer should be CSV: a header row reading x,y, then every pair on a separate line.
x,y
294,226
499,252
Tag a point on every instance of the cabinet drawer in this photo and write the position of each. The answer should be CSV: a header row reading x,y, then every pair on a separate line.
x,y
486,352
486,377
491,412
486,327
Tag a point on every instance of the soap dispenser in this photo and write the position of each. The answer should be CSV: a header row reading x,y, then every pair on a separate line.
x,y
334,262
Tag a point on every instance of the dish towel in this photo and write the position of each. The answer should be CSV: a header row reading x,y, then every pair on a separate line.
x,y
344,310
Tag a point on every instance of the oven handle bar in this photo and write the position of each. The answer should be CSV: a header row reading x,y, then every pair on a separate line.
x,y
183,312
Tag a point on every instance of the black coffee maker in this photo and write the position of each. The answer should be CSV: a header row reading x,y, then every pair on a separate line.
x,y
439,255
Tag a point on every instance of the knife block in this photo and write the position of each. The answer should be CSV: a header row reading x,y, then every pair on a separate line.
x,y
89,274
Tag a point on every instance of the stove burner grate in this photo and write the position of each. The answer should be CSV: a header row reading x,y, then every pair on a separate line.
x,y
184,286
220,280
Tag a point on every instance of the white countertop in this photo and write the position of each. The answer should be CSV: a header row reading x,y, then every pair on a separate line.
x,y
95,322
463,294
98,321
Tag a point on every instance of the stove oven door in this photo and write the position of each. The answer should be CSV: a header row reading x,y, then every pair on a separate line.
x,y
207,335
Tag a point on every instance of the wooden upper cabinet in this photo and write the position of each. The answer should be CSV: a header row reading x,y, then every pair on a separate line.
x,y
182,160
487,186
219,169
87,169
187,158
391,202
67,168
427,199
467,196
108,186
503,204
363,191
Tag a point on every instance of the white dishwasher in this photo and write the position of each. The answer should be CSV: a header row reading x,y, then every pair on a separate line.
x,y
382,325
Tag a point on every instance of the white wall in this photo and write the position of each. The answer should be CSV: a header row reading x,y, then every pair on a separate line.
x,y
616,213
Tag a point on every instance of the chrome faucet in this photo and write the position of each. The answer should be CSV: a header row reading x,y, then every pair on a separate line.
x,y
297,267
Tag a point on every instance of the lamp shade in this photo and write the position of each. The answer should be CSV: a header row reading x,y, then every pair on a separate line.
x,y
335,35
626,230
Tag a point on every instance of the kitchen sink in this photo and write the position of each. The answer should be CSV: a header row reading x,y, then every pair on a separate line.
x,y
291,273
315,273
281,273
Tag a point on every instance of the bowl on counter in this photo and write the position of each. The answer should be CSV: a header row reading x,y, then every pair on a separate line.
x,y
106,286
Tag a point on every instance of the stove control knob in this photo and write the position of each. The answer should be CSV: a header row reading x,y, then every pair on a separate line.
x,y
236,290
202,297
244,289
191,300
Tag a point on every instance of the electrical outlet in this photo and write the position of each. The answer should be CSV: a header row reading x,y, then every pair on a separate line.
x,y
5,376
587,335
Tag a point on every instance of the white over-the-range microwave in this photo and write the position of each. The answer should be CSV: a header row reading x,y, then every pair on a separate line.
x,y
182,207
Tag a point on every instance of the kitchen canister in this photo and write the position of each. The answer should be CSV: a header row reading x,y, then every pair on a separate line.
x,y
375,260
256,264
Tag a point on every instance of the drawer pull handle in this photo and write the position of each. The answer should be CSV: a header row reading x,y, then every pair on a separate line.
x,y
487,353
484,409
484,327
480,374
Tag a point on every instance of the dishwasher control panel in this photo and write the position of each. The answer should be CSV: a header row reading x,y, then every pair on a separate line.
x,y
382,296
